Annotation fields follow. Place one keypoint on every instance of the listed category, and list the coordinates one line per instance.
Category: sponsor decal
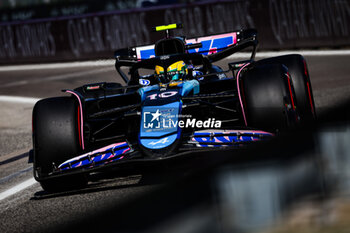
(164, 57)
(213, 44)
(144, 82)
(160, 125)
(161, 141)
(158, 143)
(210, 45)
(89, 88)
(159, 120)
(165, 119)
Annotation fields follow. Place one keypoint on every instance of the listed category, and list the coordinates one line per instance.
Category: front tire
(56, 138)
(267, 98)
(297, 69)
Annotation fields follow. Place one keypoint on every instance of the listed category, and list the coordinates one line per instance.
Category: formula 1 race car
(175, 101)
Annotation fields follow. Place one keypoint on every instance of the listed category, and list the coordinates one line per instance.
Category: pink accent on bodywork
(81, 118)
(96, 151)
(126, 150)
(239, 94)
(290, 90)
(247, 131)
(310, 98)
(107, 147)
(308, 88)
(212, 38)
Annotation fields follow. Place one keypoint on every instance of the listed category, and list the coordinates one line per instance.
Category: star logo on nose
(156, 115)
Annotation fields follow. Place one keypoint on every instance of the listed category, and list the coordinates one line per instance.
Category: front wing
(121, 152)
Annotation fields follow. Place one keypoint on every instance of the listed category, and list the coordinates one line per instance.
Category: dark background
(93, 30)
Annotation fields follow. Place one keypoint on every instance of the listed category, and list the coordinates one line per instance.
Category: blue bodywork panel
(160, 113)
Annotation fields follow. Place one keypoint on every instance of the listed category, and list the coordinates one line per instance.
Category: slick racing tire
(56, 139)
(297, 69)
(267, 97)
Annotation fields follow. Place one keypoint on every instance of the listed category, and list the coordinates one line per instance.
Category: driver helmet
(175, 72)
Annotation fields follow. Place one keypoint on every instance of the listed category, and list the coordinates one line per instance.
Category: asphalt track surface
(24, 207)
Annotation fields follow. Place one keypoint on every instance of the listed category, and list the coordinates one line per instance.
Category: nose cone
(159, 125)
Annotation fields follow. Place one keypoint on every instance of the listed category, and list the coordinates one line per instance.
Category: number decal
(162, 95)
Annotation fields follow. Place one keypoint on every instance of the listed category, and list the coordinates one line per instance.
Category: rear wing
(209, 45)
(214, 47)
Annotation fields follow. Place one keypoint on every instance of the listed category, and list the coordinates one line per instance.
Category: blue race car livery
(175, 101)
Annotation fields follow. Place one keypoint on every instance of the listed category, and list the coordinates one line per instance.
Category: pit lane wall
(281, 24)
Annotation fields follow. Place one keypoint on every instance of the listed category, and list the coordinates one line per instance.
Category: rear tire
(299, 75)
(56, 139)
(267, 98)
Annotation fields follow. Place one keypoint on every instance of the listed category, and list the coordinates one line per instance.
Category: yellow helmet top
(178, 69)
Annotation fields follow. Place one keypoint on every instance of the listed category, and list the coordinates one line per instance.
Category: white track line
(17, 99)
(62, 65)
(26, 184)
(109, 62)
(17, 188)
(58, 77)
(9, 177)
